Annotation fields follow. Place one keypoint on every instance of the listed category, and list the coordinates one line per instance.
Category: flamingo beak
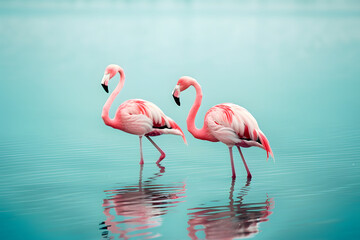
(104, 82)
(177, 100)
(105, 88)
(176, 94)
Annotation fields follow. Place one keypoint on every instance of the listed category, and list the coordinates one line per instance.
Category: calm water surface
(293, 65)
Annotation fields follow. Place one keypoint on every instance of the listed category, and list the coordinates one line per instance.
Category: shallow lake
(293, 65)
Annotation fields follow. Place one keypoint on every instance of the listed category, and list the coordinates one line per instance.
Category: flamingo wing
(234, 125)
(149, 118)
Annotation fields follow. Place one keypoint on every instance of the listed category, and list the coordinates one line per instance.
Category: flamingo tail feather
(175, 126)
(266, 145)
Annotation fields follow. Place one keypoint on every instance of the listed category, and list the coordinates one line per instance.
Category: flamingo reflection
(134, 211)
(234, 220)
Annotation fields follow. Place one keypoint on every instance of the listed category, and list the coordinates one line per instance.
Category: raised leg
(232, 163)
(247, 169)
(141, 153)
(163, 155)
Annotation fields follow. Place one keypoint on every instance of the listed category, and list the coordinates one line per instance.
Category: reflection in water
(134, 211)
(235, 220)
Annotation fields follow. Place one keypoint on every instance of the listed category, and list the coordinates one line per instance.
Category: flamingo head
(109, 73)
(182, 85)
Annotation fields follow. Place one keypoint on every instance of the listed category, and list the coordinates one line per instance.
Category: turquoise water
(292, 64)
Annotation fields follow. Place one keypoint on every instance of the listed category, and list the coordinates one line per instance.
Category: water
(293, 65)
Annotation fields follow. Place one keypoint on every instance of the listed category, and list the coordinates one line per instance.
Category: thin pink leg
(232, 163)
(247, 169)
(141, 153)
(140, 177)
(163, 155)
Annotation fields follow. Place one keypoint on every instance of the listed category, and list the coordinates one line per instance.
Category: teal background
(293, 64)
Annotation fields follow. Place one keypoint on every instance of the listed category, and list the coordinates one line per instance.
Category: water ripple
(136, 210)
(237, 219)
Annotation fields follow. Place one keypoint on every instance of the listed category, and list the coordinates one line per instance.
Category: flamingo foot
(162, 169)
(163, 155)
(141, 161)
(234, 176)
(249, 176)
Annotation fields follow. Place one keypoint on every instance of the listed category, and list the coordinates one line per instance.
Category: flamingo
(137, 116)
(228, 123)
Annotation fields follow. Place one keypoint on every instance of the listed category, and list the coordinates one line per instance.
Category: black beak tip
(105, 88)
(177, 100)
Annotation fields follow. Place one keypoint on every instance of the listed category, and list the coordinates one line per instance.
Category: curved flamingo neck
(190, 121)
(105, 113)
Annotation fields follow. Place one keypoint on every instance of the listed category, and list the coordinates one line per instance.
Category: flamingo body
(137, 116)
(234, 125)
(143, 118)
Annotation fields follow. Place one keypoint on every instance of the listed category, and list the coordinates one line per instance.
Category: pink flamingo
(137, 116)
(227, 123)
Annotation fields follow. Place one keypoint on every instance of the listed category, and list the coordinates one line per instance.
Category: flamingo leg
(140, 177)
(232, 163)
(247, 169)
(163, 155)
(141, 153)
